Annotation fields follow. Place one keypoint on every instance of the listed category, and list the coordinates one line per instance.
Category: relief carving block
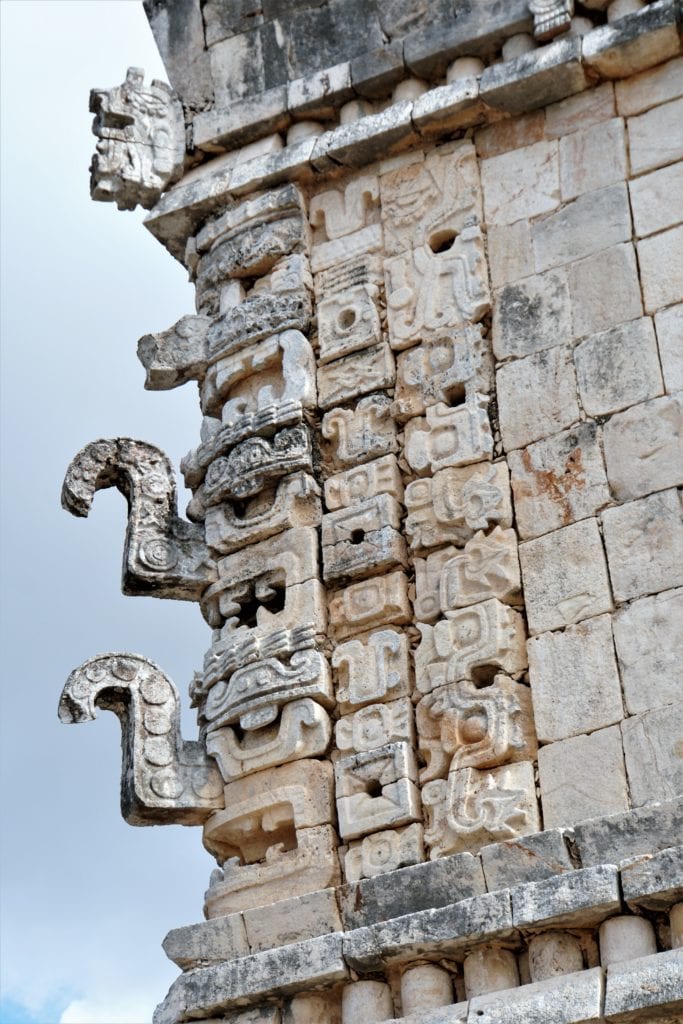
(375, 725)
(375, 667)
(381, 476)
(385, 851)
(241, 649)
(452, 505)
(164, 556)
(360, 434)
(470, 644)
(551, 17)
(164, 778)
(379, 601)
(343, 211)
(348, 321)
(177, 355)
(449, 437)
(141, 141)
(462, 725)
(346, 378)
(363, 539)
(376, 789)
(471, 808)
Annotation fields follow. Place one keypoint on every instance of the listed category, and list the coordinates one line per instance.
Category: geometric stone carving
(428, 574)
(472, 808)
(385, 851)
(141, 147)
(177, 355)
(164, 556)
(164, 778)
(362, 433)
(345, 211)
(551, 17)
(363, 539)
(470, 644)
(374, 725)
(356, 374)
(375, 667)
(239, 650)
(461, 725)
(441, 372)
(253, 465)
(381, 476)
(452, 505)
(348, 321)
(376, 789)
(378, 601)
(449, 437)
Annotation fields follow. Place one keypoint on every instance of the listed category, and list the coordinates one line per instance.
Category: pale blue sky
(86, 900)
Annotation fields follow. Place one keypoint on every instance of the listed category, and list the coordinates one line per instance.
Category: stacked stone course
(435, 525)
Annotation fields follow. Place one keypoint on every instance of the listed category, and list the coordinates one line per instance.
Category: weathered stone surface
(525, 859)
(447, 437)
(565, 577)
(376, 789)
(582, 111)
(657, 199)
(577, 899)
(489, 969)
(531, 315)
(574, 680)
(645, 989)
(591, 223)
(288, 921)
(442, 372)
(558, 480)
(360, 434)
(583, 777)
(177, 355)
(363, 540)
(652, 750)
(554, 953)
(535, 78)
(669, 327)
(596, 308)
(661, 267)
(379, 601)
(374, 725)
(593, 157)
(650, 88)
(536, 396)
(382, 476)
(649, 646)
(383, 852)
(656, 137)
(374, 667)
(521, 183)
(644, 448)
(419, 887)
(510, 133)
(644, 540)
(634, 42)
(637, 833)
(573, 999)
(656, 882)
(313, 1008)
(354, 375)
(197, 945)
(618, 368)
(510, 254)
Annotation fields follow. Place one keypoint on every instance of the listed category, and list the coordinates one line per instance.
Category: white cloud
(110, 1008)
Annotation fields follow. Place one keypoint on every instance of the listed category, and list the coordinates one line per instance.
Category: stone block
(448, 107)
(322, 36)
(578, 899)
(633, 43)
(565, 577)
(376, 72)
(650, 88)
(442, 372)
(648, 989)
(596, 308)
(511, 133)
(661, 267)
(571, 999)
(521, 183)
(317, 95)
(242, 121)
(208, 942)
(536, 396)
(593, 222)
(247, 64)
(358, 143)
(357, 435)
(380, 601)
(637, 833)
(382, 476)
(362, 540)
(531, 315)
(510, 255)
(657, 200)
(295, 920)
(376, 789)
(574, 680)
(644, 448)
(652, 750)
(592, 158)
(420, 887)
(525, 859)
(655, 138)
(625, 937)
(584, 110)
(448, 930)
(583, 777)
(384, 852)
(656, 882)
(374, 725)
(644, 541)
(649, 644)
(313, 1008)
(535, 78)
(558, 481)
(446, 437)
(618, 368)
(374, 667)
(669, 328)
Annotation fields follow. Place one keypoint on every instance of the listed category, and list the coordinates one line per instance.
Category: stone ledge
(635, 833)
(655, 882)
(578, 899)
(636, 988)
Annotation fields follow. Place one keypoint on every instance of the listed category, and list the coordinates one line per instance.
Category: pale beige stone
(446, 437)
(425, 987)
(676, 921)
(427, 600)
(652, 750)
(649, 642)
(287, 921)
(583, 777)
(626, 938)
(650, 88)
(383, 852)
(489, 970)
(360, 434)
(362, 540)
(382, 600)
(554, 954)
(657, 199)
(644, 448)
(536, 396)
(521, 183)
(558, 480)
(511, 133)
(348, 320)
(443, 371)
(344, 211)
(644, 542)
(344, 379)
(531, 315)
(592, 222)
(595, 307)
(367, 1001)
(669, 327)
(584, 110)
(618, 368)
(574, 680)
(377, 789)
(375, 725)
(381, 476)
(655, 138)
(374, 667)
(565, 577)
(661, 267)
(592, 158)
(327, 254)
(510, 253)
(313, 1008)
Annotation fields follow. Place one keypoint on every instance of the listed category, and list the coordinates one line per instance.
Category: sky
(85, 899)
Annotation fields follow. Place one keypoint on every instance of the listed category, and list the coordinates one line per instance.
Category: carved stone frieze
(449, 437)
(343, 211)
(253, 465)
(452, 505)
(363, 539)
(374, 725)
(379, 601)
(239, 650)
(381, 476)
(164, 778)
(349, 321)
(177, 355)
(357, 374)
(164, 556)
(551, 17)
(371, 668)
(377, 789)
(360, 434)
(384, 851)
(141, 141)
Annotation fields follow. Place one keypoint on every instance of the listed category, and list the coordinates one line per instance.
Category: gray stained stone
(654, 882)
(653, 745)
(644, 542)
(531, 315)
(636, 833)
(618, 367)
(583, 777)
(197, 945)
(644, 448)
(536, 78)
(525, 859)
(648, 989)
(594, 221)
(570, 999)
(649, 643)
(578, 899)
(635, 42)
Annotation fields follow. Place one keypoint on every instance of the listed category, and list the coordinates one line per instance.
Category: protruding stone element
(345, 211)
(461, 725)
(384, 852)
(313, 1008)
(356, 485)
(177, 355)
(452, 505)
(373, 726)
(141, 141)
(442, 372)
(368, 1001)
(472, 808)
(676, 923)
(449, 437)
(164, 556)
(425, 987)
(551, 17)
(361, 434)
(363, 540)
(377, 789)
(470, 644)
(553, 954)
(349, 321)
(626, 938)
(357, 374)
(379, 601)
(490, 969)
(375, 667)
(164, 778)
(487, 567)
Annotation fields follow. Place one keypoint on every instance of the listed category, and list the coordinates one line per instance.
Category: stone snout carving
(141, 141)
(164, 556)
(164, 778)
